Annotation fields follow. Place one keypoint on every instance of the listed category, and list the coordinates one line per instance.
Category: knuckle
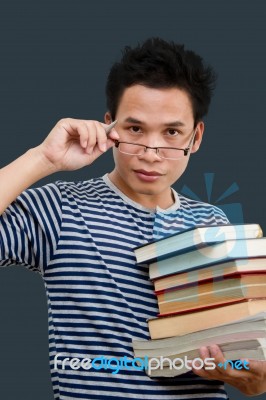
(83, 127)
(63, 122)
(89, 124)
(66, 119)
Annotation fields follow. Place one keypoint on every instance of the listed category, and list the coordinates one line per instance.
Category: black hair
(160, 64)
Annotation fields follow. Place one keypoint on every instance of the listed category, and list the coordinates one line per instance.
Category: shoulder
(80, 187)
(55, 193)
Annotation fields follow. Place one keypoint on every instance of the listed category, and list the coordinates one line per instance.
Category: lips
(147, 176)
(148, 173)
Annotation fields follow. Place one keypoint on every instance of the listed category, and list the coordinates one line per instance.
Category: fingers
(224, 369)
(91, 134)
(248, 376)
(197, 369)
(110, 133)
(257, 367)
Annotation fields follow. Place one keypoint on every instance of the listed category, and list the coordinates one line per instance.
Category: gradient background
(54, 59)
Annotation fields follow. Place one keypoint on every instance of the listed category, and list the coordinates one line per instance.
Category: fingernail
(103, 147)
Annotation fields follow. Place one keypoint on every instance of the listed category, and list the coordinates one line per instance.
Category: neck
(148, 200)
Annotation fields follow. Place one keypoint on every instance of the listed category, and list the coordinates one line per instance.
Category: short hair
(160, 64)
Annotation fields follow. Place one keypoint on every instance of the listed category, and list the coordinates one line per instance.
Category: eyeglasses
(167, 153)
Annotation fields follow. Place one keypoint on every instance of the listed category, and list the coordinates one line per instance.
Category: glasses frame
(186, 150)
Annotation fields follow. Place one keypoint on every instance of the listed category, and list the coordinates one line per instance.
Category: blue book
(209, 255)
(194, 238)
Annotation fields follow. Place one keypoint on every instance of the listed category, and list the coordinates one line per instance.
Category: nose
(150, 154)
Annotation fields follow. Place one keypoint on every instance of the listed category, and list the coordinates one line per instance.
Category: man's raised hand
(74, 143)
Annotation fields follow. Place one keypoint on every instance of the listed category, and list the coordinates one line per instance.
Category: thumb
(111, 131)
(109, 127)
(113, 135)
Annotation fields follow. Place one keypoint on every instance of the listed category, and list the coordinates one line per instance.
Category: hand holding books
(228, 268)
(251, 382)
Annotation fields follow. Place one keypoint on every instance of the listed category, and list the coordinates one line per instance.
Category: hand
(250, 382)
(73, 143)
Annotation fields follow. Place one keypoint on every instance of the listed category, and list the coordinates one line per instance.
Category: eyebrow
(132, 120)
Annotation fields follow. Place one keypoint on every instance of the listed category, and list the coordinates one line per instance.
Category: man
(80, 235)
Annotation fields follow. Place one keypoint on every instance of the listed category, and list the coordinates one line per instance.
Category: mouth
(148, 173)
(147, 176)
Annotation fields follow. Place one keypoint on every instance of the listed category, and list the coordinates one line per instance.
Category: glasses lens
(171, 154)
(131, 148)
(138, 150)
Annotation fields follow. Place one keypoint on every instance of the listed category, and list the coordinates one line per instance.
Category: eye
(135, 129)
(172, 132)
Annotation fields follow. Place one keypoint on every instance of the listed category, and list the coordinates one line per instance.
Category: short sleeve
(30, 228)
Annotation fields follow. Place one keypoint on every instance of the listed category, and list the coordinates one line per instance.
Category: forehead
(141, 102)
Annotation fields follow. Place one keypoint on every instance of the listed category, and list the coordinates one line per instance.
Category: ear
(198, 137)
(107, 118)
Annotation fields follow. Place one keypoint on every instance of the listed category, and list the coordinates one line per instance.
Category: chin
(147, 190)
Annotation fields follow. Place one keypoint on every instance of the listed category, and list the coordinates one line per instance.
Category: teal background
(54, 59)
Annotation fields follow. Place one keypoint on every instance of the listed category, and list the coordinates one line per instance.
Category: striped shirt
(79, 236)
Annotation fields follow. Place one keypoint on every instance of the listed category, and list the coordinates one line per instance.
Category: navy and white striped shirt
(79, 236)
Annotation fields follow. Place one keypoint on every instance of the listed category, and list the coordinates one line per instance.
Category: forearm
(21, 174)
(71, 144)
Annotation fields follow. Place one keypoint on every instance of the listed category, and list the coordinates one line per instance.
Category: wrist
(43, 165)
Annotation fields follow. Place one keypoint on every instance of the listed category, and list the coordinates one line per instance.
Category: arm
(72, 144)
(22, 173)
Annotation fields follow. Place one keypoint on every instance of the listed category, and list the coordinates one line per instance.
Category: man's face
(155, 118)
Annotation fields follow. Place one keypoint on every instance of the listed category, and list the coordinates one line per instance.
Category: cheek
(177, 169)
(116, 156)
(121, 160)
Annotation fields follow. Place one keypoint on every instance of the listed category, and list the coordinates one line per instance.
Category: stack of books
(206, 278)
(246, 337)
